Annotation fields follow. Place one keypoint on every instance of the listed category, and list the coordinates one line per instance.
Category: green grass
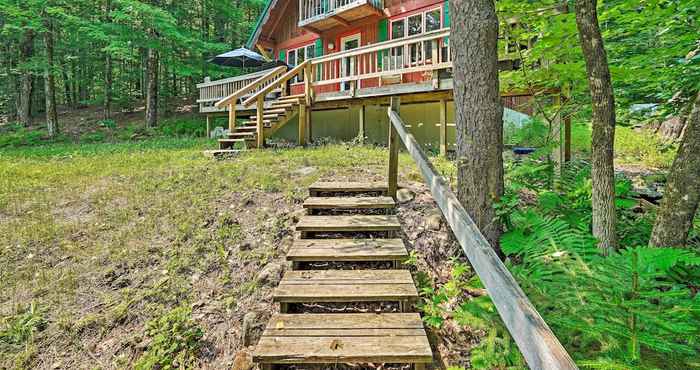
(632, 147)
(105, 238)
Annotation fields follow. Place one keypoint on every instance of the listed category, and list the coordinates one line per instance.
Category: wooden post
(443, 128)
(308, 89)
(232, 117)
(362, 124)
(303, 119)
(208, 126)
(567, 139)
(393, 176)
(261, 124)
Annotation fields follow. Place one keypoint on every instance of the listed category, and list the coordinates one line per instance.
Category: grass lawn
(632, 147)
(98, 240)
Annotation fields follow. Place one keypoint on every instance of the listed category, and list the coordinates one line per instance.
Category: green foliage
(633, 309)
(17, 330)
(190, 127)
(532, 134)
(175, 341)
(19, 136)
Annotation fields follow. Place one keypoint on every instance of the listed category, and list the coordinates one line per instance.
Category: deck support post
(443, 128)
(393, 176)
(261, 124)
(361, 133)
(232, 117)
(303, 122)
(208, 126)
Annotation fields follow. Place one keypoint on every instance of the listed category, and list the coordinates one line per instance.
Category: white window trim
(305, 48)
(424, 27)
(423, 21)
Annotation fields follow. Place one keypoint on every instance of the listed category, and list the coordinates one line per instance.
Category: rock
(243, 361)
(305, 171)
(249, 328)
(245, 246)
(271, 274)
(672, 128)
(404, 195)
(434, 221)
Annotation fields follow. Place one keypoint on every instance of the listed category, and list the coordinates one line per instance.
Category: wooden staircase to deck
(360, 272)
(280, 112)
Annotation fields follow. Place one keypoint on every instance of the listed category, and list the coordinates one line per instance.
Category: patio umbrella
(242, 58)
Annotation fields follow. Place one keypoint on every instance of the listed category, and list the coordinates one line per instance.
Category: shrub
(175, 341)
(19, 329)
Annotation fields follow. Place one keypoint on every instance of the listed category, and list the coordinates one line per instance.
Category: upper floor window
(398, 29)
(416, 24)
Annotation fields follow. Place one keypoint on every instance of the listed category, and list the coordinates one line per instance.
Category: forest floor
(109, 249)
(119, 244)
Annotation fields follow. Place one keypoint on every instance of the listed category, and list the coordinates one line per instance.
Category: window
(298, 56)
(415, 24)
(398, 29)
(432, 20)
(292, 58)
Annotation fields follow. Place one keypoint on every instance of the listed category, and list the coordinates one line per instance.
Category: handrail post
(393, 176)
(232, 117)
(308, 89)
(261, 123)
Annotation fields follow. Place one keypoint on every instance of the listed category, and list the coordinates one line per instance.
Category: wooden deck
(343, 337)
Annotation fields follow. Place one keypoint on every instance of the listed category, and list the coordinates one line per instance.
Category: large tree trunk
(682, 195)
(152, 88)
(24, 107)
(108, 69)
(602, 151)
(49, 82)
(479, 113)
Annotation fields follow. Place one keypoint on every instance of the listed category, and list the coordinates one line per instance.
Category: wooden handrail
(278, 82)
(445, 32)
(536, 341)
(231, 79)
(252, 86)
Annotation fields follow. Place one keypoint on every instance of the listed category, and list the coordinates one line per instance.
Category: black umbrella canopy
(242, 58)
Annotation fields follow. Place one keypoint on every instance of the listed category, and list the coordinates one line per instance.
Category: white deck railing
(314, 10)
(428, 52)
(211, 92)
(419, 53)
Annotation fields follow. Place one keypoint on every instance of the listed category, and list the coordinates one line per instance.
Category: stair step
(284, 103)
(277, 110)
(322, 250)
(358, 223)
(345, 286)
(265, 116)
(344, 338)
(348, 187)
(349, 203)
(246, 128)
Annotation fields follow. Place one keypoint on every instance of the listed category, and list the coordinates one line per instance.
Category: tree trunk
(152, 88)
(108, 70)
(600, 84)
(682, 195)
(24, 107)
(49, 82)
(479, 113)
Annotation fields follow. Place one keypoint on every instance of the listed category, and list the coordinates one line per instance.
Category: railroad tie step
(347, 187)
(349, 203)
(344, 338)
(347, 250)
(344, 286)
(354, 223)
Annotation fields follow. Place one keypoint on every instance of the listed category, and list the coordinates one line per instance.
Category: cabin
(342, 62)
